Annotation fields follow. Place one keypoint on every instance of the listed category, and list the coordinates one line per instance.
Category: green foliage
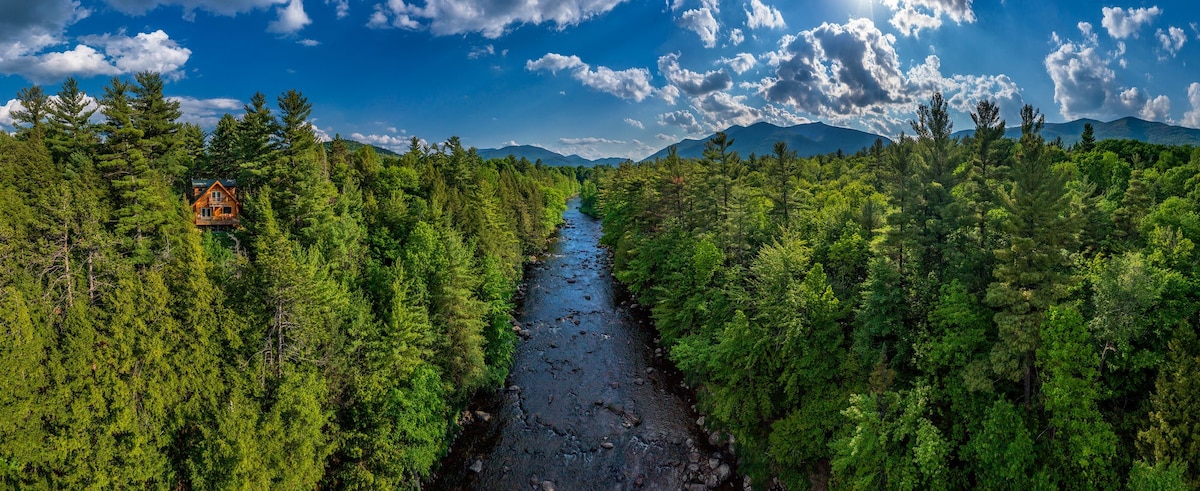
(952, 267)
(327, 342)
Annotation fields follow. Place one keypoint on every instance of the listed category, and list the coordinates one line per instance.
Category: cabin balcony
(216, 221)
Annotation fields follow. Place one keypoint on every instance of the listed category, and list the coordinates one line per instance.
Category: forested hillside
(326, 343)
(980, 313)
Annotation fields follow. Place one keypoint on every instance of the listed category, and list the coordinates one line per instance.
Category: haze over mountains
(819, 139)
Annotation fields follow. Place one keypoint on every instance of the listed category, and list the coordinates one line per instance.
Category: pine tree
(939, 215)
(1087, 140)
(141, 196)
(255, 146)
(157, 117)
(781, 171)
(35, 106)
(222, 159)
(1032, 274)
(69, 128)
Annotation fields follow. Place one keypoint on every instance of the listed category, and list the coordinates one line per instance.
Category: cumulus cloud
(667, 138)
(631, 83)
(692, 83)
(291, 20)
(703, 23)
(850, 74)
(722, 110)
(963, 92)
(740, 63)
(220, 7)
(842, 69)
(590, 140)
(491, 18)
(6, 111)
(482, 51)
(1123, 23)
(1191, 118)
(911, 16)
(342, 6)
(1086, 85)
(762, 15)
(206, 112)
(1171, 40)
(153, 51)
(683, 119)
(736, 37)
(635, 123)
(393, 143)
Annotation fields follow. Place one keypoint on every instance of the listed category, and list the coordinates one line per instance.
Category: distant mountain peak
(807, 139)
(1126, 128)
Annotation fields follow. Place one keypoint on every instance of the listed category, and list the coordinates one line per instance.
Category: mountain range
(553, 159)
(1128, 128)
(806, 139)
(819, 139)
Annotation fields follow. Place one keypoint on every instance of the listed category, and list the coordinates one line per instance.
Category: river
(590, 404)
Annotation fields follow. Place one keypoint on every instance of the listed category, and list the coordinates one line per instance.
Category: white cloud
(206, 112)
(1085, 84)
(292, 18)
(702, 22)
(684, 119)
(692, 83)
(722, 110)
(635, 123)
(393, 143)
(154, 51)
(740, 63)
(1191, 119)
(838, 69)
(308, 42)
(631, 83)
(667, 138)
(480, 52)
(220, 7)
(590, 140)
(6, 118)
(911, 16)
(343, 7)
(736, 37)
(491, 18)
(669, 94)
(1123, 23)
(1172, 40)
(762, 15)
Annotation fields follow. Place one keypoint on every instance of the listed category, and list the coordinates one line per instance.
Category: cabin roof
(208, 184)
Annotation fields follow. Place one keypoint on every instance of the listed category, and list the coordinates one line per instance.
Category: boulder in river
(606, 444)
(547, 486)
(477, 466)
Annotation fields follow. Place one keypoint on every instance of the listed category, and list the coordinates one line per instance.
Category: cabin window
(206, 212)
(216, 196)
(227, 211)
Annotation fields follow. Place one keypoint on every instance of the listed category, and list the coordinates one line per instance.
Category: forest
(328, 342)
(929, 313)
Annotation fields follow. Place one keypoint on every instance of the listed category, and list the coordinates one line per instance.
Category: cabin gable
(215, 203)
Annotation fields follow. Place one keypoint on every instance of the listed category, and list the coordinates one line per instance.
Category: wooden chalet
(215, 203)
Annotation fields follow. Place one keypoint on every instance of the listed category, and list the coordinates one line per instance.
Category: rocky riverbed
(591, 403)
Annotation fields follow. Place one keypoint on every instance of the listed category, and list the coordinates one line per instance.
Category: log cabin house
(215, 203)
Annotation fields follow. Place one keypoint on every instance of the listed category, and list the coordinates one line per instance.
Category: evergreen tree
(35, 106)
(1087, 140)
(223, 157)
(1032, 274)
(69, 127)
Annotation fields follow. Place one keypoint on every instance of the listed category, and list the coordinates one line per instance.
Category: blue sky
(616, 77)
